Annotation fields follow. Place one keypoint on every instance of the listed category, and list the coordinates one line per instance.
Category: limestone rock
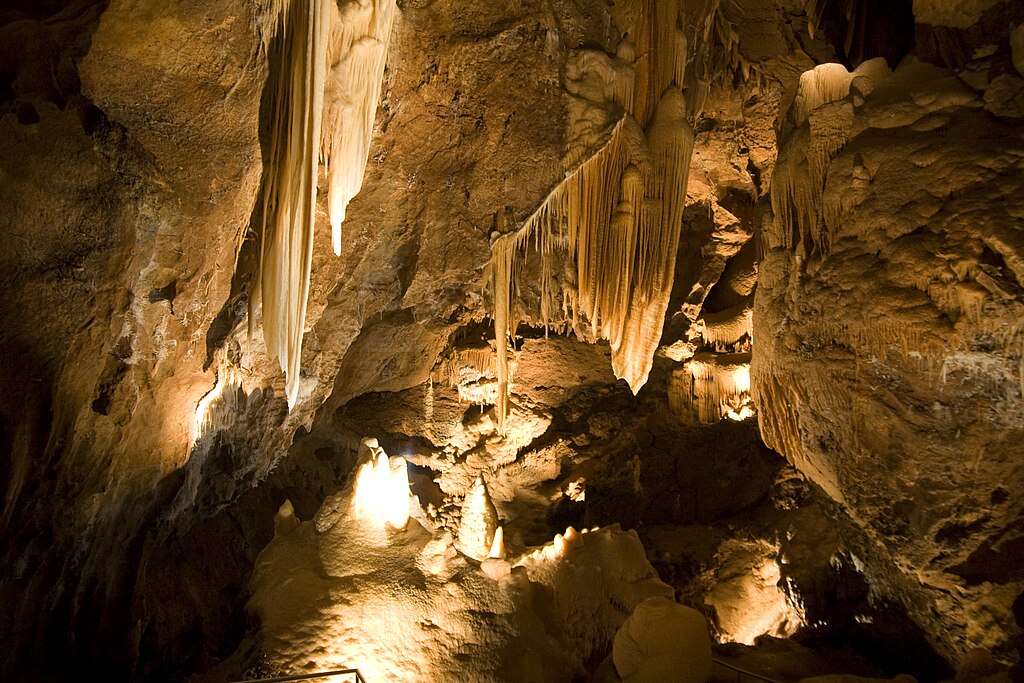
(907, 405)
(663, 641)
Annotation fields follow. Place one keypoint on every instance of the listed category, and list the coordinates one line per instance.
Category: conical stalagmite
(479, 522)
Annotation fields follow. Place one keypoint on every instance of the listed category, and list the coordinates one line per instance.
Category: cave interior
(534, 340)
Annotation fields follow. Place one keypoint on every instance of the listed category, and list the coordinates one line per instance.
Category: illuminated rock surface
(339, 592)
(803, 216)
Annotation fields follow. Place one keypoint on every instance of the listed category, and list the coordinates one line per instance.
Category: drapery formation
(618, 213)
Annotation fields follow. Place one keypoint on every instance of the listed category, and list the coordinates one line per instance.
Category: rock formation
(807, 211)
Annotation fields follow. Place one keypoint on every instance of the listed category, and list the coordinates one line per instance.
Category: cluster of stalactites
(822, 104)
(712, 386)
(220, 406)
(619, 212)
(728, 329)
(331, 67)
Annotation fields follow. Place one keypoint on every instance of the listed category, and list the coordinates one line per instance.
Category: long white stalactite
(324, 101)
(289, 194)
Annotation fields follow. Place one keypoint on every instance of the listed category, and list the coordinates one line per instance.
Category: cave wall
(888, 363)
(131, 182)
(131, 172)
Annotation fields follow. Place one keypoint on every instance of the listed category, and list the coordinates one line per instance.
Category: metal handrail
(360, 679)
(742, 672)
(306, 677)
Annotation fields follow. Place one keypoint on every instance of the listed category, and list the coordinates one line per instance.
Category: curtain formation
(619, 212)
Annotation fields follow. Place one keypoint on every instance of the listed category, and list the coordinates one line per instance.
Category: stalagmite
(479, 524)
(663, 641)
(619, 212)
(330, 66)
(497, 551)
(381, 489)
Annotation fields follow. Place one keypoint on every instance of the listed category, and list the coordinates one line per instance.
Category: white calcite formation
(220, 406)
(333, 593)
(323, 108)
(381, 489)
(823, 112)
(479, 522)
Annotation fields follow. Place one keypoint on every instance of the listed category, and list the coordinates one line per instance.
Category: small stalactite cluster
(470, 370)
(822, 113)
(618, 214)
(324, 101)
(713, 386)
(729, 328)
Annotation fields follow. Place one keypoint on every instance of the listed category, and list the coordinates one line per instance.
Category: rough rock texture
(334, 592)
(118, 251)
(145, 439)
(133, 276)
(889, 343)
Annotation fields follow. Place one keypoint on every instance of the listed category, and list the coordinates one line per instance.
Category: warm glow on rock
(220, 401)
(742, 414)
(714, 386)
(382, 491)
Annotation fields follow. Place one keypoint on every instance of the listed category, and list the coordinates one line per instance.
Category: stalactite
(619, 212)
(830, 127)
(289, 194)
(330, 67)
(219, 408)
(671, 146)
(461, 362)
(502, 263)
(358, 53)
(712, 385)
(728, 327)
(824, 117)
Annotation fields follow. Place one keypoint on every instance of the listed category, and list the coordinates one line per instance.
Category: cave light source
(382, 491)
